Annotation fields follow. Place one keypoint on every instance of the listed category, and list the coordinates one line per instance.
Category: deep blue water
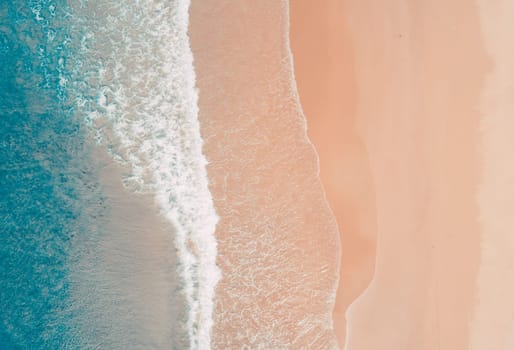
(46, 179)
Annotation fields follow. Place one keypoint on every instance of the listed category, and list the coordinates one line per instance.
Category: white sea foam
(136, 89)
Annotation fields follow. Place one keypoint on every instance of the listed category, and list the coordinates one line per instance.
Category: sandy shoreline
(408, 106)
(493, 322)
(413, 80)
(326, 79)
(277, 239)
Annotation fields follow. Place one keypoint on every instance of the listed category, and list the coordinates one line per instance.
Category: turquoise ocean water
(77, 79)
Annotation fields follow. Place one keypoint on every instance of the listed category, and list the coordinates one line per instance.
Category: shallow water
(108, 225)
(277, 239)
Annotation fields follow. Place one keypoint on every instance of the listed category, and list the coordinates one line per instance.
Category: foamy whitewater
(107, 96)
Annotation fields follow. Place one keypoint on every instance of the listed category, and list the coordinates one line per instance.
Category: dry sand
(412, 73)
(493, 322)
(277, 239)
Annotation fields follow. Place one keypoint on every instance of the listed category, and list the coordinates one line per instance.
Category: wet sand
(412, 76)
(326, 79)
(277, 240)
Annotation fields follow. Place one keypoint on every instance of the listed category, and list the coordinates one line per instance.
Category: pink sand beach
(363, 182)
(278, 246)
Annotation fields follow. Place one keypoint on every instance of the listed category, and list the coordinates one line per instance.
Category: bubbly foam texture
(135, 85)
(277, 238)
